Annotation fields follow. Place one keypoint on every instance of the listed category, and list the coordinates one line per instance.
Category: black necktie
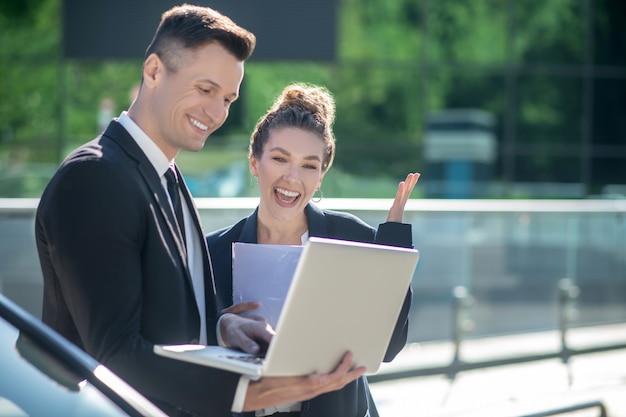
(174, 191)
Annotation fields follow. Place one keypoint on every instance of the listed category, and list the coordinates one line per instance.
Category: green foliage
(380, 31)
(389, 47)
(28, 70)
(553, 31)
(397, 61)
(88, 84)
(264, 82)
(210, 158)
(467, 32)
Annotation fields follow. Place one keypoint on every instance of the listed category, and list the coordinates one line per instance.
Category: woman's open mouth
(286, 196)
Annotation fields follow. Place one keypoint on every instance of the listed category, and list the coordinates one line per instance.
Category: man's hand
(252, 335)
(272, 391)
(396, 212)
(244, 308)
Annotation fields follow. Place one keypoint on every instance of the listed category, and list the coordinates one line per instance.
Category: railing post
(461, 323)
(568, 293)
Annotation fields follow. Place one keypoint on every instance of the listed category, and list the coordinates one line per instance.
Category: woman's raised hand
(396, 212)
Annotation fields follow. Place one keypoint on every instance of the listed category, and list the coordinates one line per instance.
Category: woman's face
(289, 171)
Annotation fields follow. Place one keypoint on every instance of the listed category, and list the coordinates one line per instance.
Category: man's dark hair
(188, 27)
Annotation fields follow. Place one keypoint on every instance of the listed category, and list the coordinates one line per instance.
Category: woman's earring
(254, 182)
(319, 198)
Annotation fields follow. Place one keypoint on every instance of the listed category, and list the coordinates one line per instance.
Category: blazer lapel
(146, 170)
(165, 207)
(316, 220)
(249, 229)
(163, 203)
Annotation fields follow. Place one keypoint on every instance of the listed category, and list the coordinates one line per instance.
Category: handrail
(460, 366)
(463, 298)
(463, 301)
(18, 205)
(570, 408)
(383, 204)
(440, 205)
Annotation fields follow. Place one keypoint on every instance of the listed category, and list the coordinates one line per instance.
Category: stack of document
(264, 273)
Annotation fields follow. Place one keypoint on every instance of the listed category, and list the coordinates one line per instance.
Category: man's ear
(152, 67)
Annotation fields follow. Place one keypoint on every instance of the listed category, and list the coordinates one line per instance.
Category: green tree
(522, 60)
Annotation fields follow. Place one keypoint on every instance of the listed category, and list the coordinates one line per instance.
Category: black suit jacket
(354, 400)
(115, 274)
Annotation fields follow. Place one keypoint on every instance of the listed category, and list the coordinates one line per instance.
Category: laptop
(344, 296)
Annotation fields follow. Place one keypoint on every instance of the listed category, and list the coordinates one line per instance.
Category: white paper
(263, 273)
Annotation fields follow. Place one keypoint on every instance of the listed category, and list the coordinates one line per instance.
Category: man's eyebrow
(233, 96)
(210, 81)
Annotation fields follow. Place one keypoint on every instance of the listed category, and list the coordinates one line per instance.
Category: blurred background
(488, 98)
(514, 111)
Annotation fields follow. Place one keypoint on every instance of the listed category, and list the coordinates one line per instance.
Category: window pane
(608, 172)
(378, 119)
(549, 31)
(462, 133)
(549, 110)
(467, 31)
(609, 35)
(544, 166)
(609, 123)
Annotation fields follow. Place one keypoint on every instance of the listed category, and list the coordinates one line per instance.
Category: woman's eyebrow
(284, 151)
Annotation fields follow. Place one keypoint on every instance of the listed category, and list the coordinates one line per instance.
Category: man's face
(191, 103)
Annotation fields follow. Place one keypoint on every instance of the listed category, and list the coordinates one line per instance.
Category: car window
(32, 384)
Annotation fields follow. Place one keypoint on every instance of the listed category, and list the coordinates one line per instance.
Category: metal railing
(476, 256)
(462, 302)
(571, 408)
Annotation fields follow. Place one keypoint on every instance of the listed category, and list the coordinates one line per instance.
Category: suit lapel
(153, 182)
(150, 177)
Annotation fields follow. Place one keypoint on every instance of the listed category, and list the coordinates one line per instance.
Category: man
(121, 273)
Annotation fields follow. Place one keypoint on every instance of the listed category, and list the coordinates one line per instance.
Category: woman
(291, 149)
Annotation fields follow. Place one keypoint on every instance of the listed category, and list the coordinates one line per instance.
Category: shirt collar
(154, 154)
